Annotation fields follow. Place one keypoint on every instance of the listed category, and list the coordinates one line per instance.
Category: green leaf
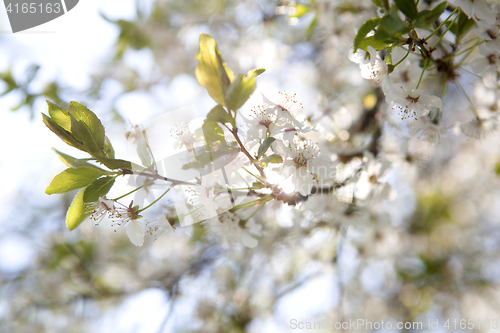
(211, 72)
(408, 7)
(61, 117)
(219, 115)
(76, 162)
(115, 164)
(241, 88)
(265, 146)
(390, 27)
(71, 179)
(371, 41)
(257, 185)
(388, 56)
(99, 187)
(108, 148)
(87, 128)
(257, 71)
(275, 158)
(64, 135)
(76, 211)
(214, 135)
(364, 30)
(462, 25)
(427, 17)
(437, 11)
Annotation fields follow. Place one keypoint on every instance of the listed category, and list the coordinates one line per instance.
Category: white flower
(137, 136)
(489, 62)
(486, 95)
(183, 136)
(371, 65)
(202, 197)
(479, 129)
(476, 9)
(100, 209)
(304, 167)
(228, 228)
(135, 232)
(489, 32)
(158, 227)
(129, 217)
(262, 121)
(368, 183)
(411, 103)
(429, 131)
(124, 215)
(285, 109)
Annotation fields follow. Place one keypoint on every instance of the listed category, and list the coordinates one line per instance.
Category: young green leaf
(219, 115)
(390, 27)
(257, 185)
(99, 187)
(71, 179)
(437, 11)
(275, 158)
(427, 17)
(408, 7)
(76, 211)
(211, 72)
(87, 128)
(75, 162)
(214, 135)
(60, 116)
(64, 135)
(265, 146)
(115, 164)
(364, 30)
(241, 88)
(462, 25)
(371, 41)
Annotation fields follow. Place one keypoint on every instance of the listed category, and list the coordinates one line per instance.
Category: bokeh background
(431, 253)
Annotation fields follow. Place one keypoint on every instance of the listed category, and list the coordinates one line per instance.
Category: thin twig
(155, 176)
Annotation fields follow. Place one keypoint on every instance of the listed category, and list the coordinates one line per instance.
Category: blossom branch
(234, 132)
(155, 176)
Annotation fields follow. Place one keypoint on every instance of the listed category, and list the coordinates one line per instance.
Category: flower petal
(431, 100)
(135, 232)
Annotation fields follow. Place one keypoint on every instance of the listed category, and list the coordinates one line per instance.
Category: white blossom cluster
(273, 151)
(128, 217)
(419, 95)
(232, 189)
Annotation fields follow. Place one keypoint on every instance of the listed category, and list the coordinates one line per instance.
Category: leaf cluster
(80, 128)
